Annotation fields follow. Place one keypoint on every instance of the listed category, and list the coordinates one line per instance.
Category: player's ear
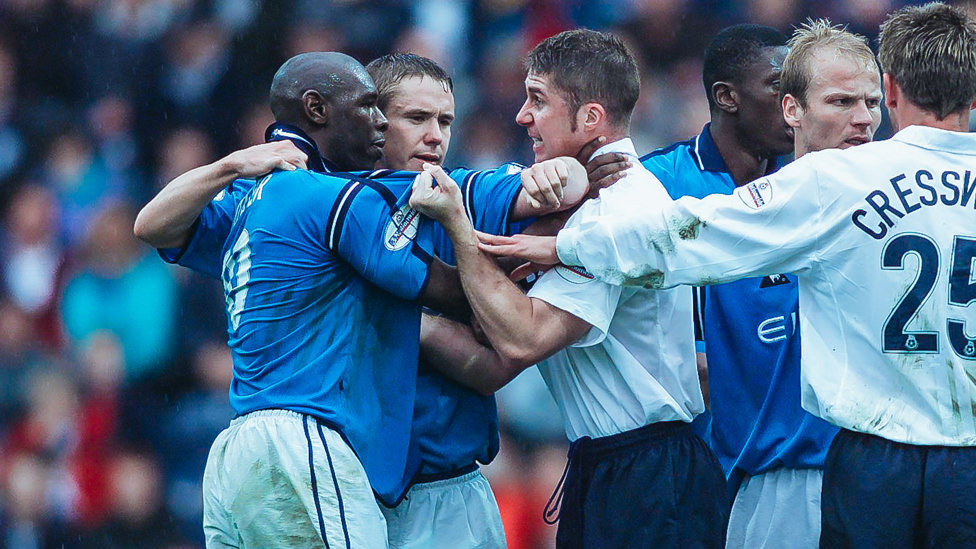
(726, 96)
(316, 108)
(591, 115)
(891, 91)
(792, 110)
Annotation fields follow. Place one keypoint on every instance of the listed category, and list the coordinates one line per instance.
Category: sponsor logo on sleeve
(576, 275)
(401, 230)
(757, 194)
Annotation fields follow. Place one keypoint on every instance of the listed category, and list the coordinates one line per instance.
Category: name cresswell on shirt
(401, 230)
(757, 194)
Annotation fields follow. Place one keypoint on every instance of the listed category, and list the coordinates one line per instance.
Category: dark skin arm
(444, 292)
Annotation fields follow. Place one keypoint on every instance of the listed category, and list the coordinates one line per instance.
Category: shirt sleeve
(489, 196)
(209, 232)
(769, 225)
(381, 237)
(579, 294)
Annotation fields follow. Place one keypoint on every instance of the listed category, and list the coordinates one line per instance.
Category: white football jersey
(883, 240)
(636, 365)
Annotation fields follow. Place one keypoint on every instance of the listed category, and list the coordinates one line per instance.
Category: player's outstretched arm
(165, 222)
(719, 238)
(522, 330)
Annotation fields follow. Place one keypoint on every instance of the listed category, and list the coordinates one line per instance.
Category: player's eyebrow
(418, 110)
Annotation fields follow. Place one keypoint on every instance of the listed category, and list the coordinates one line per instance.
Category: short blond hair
(818, 36)
(930, 51)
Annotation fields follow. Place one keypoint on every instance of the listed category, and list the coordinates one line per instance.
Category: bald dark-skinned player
(324, 278)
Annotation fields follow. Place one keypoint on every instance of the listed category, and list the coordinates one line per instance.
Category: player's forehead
(357, 85)
(839, 72)
(766, 66)
(539, 83)
(421, 93)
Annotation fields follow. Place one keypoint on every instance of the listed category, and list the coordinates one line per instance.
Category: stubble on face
(546, 118)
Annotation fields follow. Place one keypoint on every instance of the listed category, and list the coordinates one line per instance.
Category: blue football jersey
(320, 276)
(455, 426)
(752, 340)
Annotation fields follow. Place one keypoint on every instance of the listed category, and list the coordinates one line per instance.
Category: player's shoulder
(668, 157)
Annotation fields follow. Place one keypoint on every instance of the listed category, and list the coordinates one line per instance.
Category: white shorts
(276, 478)
(458, 513)
(779, 509)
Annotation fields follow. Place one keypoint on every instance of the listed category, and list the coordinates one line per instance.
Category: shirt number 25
(962, 292)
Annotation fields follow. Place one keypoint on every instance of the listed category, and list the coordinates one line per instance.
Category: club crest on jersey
(576, 275)
(757, 194)
(401, 230)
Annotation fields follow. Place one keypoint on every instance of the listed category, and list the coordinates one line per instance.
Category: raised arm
(166, 221)
(550, 186)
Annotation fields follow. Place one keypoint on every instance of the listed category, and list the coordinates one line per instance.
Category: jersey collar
(279, 131)
(707, 158)
(706, 154)
(937, 139)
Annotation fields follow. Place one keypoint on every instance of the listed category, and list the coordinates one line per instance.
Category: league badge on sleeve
(576, 275)
(757, 194)
(401, 230)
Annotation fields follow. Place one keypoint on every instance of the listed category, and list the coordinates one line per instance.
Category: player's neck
(612, 134)
(743, 164)
(910, 115)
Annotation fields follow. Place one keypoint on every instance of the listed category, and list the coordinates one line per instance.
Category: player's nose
(861, 115)
(379, 121)
(434, 134)
(524, 118)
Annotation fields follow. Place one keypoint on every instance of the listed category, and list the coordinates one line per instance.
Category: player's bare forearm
(165, 222)
(551, 186)
(522, 330)
(452, 349)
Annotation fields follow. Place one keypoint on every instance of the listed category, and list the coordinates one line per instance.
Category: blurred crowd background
(113, 366)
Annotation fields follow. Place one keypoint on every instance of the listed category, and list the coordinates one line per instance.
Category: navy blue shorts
(657, 486)
(880, 493)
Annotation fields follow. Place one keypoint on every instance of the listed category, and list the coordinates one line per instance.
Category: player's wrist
(229, 167)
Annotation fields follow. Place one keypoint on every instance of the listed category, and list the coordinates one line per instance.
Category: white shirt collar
(625, 146)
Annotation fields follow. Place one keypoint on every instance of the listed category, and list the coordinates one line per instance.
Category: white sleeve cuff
(566, 240)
